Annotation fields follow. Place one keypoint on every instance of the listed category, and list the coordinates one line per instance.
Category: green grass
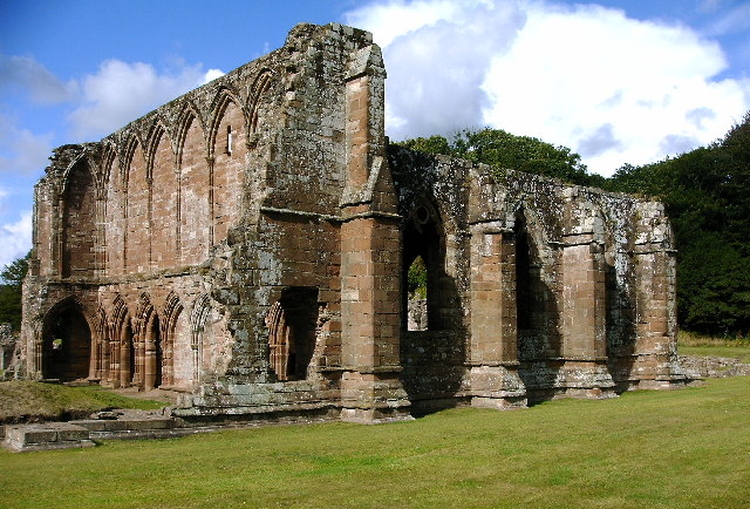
(704, 346)
(23, 401)
(683, 449)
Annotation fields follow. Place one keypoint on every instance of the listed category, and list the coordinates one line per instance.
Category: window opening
(229, 140)
(417, 295)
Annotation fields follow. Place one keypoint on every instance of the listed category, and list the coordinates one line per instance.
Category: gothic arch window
(163, 200)
(424, 268)
(194, 201)
(79, 231)
(229, 149)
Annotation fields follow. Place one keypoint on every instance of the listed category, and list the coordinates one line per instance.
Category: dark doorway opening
(66, 349)
(292, 323)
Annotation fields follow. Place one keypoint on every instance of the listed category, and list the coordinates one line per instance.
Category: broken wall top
(468, 193)
(292, 101)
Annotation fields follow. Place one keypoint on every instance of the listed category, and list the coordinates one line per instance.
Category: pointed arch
(228, 146)
(148, 345)
(187, 143)
(101, 349)
(194, 198)
(536, 302)
(424, 237)
(163, 199)
(199, 324)
(173, 334)
(115, 211)
(222, 100)
(79, 221)
(122, 350)
(66, 342)
(260, 86)
(138, 233)
(279, 341)
(155, 142)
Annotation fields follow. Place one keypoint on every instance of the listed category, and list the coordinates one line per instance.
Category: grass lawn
(24, 400)
(682, 449)
(703, 346)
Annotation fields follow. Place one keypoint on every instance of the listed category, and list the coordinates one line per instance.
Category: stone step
(46, 436)
(74, 434)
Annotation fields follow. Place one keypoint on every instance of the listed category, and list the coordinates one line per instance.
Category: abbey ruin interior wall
(248, 243)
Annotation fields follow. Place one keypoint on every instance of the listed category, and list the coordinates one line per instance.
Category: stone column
(95, 359)
(371, 388)
(583, 318)
(370, 320)
(583, 310)
(150, 358)
(655, 356)
(493, 356)
(125, 376)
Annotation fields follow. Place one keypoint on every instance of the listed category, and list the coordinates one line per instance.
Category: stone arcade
(247, 244)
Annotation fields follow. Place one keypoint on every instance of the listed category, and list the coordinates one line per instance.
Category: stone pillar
(583, 299)
(150, 359)
(655, 356)
(125, 376)
(371, 388)
(95, 359)
(371, 320)
(583, 310)
(493, 356)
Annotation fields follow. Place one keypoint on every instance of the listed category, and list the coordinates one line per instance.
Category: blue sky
(619, 82)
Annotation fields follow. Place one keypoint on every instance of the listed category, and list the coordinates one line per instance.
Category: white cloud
(616, 89)
(15, 239)
(121, 92)
(21, 151)
(212, 74)
(26, 75)
(437, 55)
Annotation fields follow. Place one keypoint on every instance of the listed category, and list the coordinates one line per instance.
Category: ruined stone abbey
(247, 244)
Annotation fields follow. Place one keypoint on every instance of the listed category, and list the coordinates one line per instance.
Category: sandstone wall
(248, 242)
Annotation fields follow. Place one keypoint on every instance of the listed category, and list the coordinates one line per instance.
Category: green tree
(505, 151)
(10, 290)
(707, 196)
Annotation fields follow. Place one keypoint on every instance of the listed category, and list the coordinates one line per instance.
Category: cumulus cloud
(15, 238)
(26, 75)
(21, 151)
(424, 96)
(120, 92)
(615, 89)
(212, 74)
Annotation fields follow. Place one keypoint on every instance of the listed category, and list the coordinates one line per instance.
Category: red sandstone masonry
(248, 244)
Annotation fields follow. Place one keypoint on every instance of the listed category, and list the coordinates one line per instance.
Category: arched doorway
(66, 348)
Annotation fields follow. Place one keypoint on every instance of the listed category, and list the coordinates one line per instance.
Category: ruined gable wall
(171, 185)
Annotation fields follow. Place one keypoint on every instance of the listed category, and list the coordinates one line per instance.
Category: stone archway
(66, 344)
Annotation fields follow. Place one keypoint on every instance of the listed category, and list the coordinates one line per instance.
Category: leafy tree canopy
(707, 195)
(706, 192)
(10, 291)
(504, 151)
